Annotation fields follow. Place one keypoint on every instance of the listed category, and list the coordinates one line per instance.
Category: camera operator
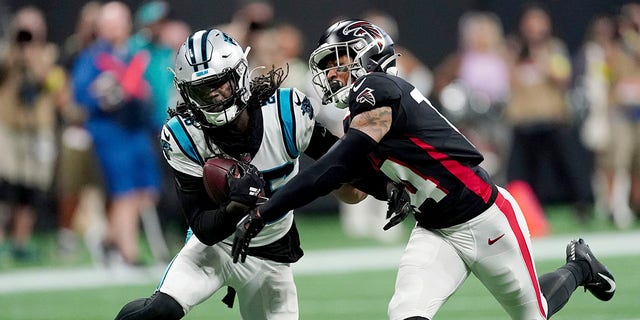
(32, 87)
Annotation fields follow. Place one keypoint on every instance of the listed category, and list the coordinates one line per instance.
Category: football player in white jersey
(225, 114)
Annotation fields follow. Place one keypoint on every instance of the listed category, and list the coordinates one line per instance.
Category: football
(214, 175)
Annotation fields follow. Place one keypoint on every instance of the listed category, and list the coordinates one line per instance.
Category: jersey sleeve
(297, 119)
(373, 91)
(179, 149)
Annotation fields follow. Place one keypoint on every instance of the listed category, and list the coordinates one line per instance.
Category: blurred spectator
(84, 33)
(467, 96)
(78, 178)
(32, 88)
(109, 82)
(252, 25)
(592, 81)
(151, 19)
(173, 34)
(545, 151)
(409, 66)
(288, 50)
(592, 78)
(625, 101)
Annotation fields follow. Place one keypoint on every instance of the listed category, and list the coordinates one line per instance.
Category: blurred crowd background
(548, 91)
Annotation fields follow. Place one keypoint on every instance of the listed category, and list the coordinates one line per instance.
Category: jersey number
(420, 188)
(277, 177)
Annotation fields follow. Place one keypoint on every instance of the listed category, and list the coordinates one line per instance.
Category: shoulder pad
(372, 91)
(179, 147)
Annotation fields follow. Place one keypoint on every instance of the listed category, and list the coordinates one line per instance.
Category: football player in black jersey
(465, 223)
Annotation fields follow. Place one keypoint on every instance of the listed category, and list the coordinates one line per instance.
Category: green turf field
(348, 296)
(353, 295)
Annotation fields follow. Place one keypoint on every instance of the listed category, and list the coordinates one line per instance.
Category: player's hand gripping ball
(214, 174)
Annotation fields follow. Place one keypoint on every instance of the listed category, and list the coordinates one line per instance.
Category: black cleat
(600, 282)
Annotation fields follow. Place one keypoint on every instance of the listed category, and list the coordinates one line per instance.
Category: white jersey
(288, 119)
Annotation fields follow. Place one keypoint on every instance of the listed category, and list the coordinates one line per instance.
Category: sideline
(314, 262)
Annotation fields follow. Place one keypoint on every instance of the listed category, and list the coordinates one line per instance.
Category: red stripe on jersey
(507, 210)
(463, 173)
(418, 173)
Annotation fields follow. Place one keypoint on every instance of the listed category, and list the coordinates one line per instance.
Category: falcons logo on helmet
(364, 28)
(366, 96)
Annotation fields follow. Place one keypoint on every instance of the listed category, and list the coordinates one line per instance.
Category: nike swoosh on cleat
(612, 283)
(492, 241)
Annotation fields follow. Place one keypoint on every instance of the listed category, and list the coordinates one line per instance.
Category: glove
(237, 209)
(399, 205)
(245, 184)
(246, 230)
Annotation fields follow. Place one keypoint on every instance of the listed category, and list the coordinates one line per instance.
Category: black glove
(245, 184)
(237, 209)
(399, 204)
(246, 230)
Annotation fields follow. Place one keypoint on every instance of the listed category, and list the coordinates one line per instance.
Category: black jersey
(424, 151)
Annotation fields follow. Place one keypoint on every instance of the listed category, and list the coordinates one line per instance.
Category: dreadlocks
(263, 86)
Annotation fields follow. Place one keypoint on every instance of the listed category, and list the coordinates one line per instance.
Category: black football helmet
(369, 47)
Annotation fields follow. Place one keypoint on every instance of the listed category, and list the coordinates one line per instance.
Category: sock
(580, 270)
(557, 286)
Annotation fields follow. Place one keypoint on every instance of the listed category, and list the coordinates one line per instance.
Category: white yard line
(313, 262)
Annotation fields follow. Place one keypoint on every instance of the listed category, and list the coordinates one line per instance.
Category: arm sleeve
(326, 174)
(373, 183)
(321, 142)
(210, 222)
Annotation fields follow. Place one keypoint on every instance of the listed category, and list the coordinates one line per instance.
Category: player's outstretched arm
(336, 167)
(328, 173)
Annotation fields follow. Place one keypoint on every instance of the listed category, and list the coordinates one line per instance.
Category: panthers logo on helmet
(364, 28)
(366, 96)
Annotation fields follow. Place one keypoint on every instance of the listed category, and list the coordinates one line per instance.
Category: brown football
(214, 176)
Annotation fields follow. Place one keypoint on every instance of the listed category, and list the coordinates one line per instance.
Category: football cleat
(600, 282)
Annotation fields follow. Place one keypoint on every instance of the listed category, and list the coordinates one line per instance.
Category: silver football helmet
(369, 48)
(207, 61)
